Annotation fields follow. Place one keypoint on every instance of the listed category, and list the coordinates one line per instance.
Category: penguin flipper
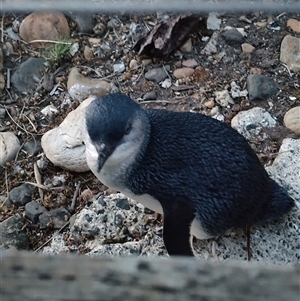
(176, 232)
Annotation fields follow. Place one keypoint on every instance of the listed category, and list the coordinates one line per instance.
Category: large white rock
(249, 123)
(286, 167)
(9, 146)
(63, 144)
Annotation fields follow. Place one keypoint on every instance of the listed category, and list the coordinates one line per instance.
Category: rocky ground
(241, 69)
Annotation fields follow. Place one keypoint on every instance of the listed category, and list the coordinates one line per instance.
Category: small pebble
(21, 195)
(119, 68)
(187, 46)
(292, 119)
(294, 25)
(183, 72)
(133, 64)
(209, 104)
(247, 48)
(157, 75)
(150, 96)
(33, 210)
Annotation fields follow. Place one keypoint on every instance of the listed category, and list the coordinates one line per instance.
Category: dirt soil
(25, 118)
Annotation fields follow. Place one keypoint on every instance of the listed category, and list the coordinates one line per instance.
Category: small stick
(55, 234)
(38, 179)
(76, 193)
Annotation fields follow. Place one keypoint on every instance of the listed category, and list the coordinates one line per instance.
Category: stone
(9, 147)
(233, 37)
(84, 20)
(12, 233)
(247, 48)
(120, 67)
(152, 95)
(116, 218)
(254, 70)
(167, 83)
(213, 22)
(88, 53)
(209, 104)
(28, 75)
(290, 52)
(49, 110)
(133, 64)
(123, 204)
(54, 218)
(81, 87)
(292, 119)
(63, 144)
(2, 80)
(156, 74)
(183, 72)
(286, 168)
(294, 25)
(211, 46)
(190, 63)
(249, 123)
(32, 147)
(260, 87)
(21, 195)
(187, 46)
(44, 26)
(223, 98)
(33, 210)
(235, 90)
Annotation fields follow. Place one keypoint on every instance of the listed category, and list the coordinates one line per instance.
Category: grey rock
(290, 52)
(152, 95)
(126, 249)
(84, 20)
(54, 218)
(21, 195)
(12, 233)
(211, 47)
(28, 75)
(260, 87)
(119, 67)
(286, 168)
(33, 210)
(249, 123)
(213, 22)
(32, 146)
(157, 75)
(233, 37)
(123, 204)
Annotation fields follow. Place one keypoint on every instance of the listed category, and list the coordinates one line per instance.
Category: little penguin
(200, 173)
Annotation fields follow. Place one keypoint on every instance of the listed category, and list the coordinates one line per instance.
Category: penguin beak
(104, 151)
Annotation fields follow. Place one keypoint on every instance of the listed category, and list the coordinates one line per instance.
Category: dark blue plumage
(196, 167)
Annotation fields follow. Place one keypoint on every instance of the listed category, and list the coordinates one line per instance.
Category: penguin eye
(128, 129)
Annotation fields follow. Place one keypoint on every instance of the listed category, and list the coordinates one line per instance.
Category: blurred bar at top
(151, 5)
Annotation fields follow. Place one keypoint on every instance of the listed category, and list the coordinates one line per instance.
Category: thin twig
(76, 193)
(54, 235)
(27, 132)
(50, 41)
(2, 26)
(38, 179)
(288, 69)
(7, 189)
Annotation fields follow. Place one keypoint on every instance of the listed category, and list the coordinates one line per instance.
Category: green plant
(55, 53)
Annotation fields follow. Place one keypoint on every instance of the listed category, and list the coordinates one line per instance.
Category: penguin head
(114, 131)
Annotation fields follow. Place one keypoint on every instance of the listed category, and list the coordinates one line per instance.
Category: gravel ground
(22, 113)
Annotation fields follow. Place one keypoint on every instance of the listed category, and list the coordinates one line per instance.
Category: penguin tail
(280, 203)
